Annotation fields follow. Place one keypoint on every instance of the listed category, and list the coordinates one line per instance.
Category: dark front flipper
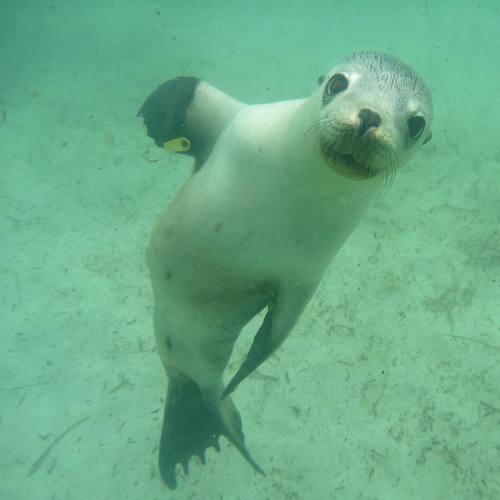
(191, 425)
(164, 111)
(186, 115)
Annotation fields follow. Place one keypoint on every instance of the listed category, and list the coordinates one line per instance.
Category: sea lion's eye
(416, 125)
(335, 85)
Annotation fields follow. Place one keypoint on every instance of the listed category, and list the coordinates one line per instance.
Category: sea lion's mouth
(347, 165)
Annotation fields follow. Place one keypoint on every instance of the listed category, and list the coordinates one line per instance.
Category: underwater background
(389, 386)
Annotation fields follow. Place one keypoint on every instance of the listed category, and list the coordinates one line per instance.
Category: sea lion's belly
(208, 251)
(224, 235)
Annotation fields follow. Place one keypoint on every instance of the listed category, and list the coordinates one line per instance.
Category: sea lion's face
(375, 112)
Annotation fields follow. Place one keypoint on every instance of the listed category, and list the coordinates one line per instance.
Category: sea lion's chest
(263, 202)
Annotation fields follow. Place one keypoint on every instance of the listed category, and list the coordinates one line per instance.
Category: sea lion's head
(374, 113)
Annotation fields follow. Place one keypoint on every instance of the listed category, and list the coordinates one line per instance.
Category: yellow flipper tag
(178, 145)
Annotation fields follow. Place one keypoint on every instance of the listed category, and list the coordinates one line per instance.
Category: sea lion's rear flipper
(280, 319)
(192, 424)
(186, 115)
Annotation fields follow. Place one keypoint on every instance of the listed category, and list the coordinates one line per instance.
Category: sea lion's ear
(427, 139)
(321, 79)
(186, 115)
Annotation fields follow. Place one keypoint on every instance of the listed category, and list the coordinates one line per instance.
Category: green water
(389, 386)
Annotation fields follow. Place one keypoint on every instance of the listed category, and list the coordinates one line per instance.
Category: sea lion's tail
(192, 424)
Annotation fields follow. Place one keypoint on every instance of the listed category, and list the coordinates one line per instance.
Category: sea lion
(276, 190)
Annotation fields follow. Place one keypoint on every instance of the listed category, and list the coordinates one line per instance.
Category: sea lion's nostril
(368, 119)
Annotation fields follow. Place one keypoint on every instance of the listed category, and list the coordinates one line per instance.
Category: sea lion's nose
(368, 119)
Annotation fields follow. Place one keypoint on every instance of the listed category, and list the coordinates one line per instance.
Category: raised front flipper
(186, 115)
(192, 424)
(280, 319)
